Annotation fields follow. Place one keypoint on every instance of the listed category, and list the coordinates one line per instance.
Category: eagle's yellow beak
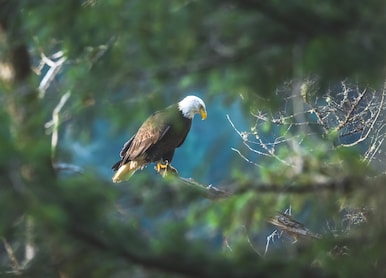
(203, 113)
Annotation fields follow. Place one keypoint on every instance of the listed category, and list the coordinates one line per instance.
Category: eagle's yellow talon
(162, 166)
(165, 169)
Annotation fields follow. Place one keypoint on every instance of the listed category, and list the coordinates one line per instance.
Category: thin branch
(55, 67)
(245, 158)
(244, 137)
(55, 122)
(68, 167)
(271, 238)
(373, 122)
(233, 126)
(11, 255)
(209, 191)
(316, 112)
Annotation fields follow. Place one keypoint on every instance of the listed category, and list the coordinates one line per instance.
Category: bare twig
(354, 106)
(245, 158)
(211, 192)
(11, 255)
(271, 238)
(54, 68)
(269, 151)
(347, 118)
(55, 122)
(371, 123)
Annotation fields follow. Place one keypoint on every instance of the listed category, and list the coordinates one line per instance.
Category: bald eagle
(158, 137)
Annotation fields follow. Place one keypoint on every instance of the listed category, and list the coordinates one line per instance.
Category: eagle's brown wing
(151, 131)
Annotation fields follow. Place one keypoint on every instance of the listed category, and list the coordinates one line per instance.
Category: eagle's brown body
(156, 140)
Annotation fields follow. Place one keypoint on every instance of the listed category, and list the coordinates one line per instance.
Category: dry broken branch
(291, 226)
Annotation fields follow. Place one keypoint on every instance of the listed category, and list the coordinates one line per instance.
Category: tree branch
(193, 263)
(216, 192)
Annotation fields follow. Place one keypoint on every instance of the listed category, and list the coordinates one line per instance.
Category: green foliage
(243, 48)
(125, 59)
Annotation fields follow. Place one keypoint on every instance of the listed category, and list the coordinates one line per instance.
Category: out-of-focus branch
(180, 262)
(54, 68)
(55, 122)
(11, 255)
(216, 192)
(26, 112)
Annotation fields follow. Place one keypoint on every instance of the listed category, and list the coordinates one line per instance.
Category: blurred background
(296, 124)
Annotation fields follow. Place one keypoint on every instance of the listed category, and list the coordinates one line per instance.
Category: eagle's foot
(165, 169)
(161, 166)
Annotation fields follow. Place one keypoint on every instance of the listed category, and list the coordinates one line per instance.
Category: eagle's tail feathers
(125, 171)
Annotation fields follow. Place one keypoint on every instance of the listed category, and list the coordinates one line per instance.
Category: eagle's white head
(192, 105)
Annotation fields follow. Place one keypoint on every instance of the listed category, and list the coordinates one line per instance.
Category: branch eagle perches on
(216, 192)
